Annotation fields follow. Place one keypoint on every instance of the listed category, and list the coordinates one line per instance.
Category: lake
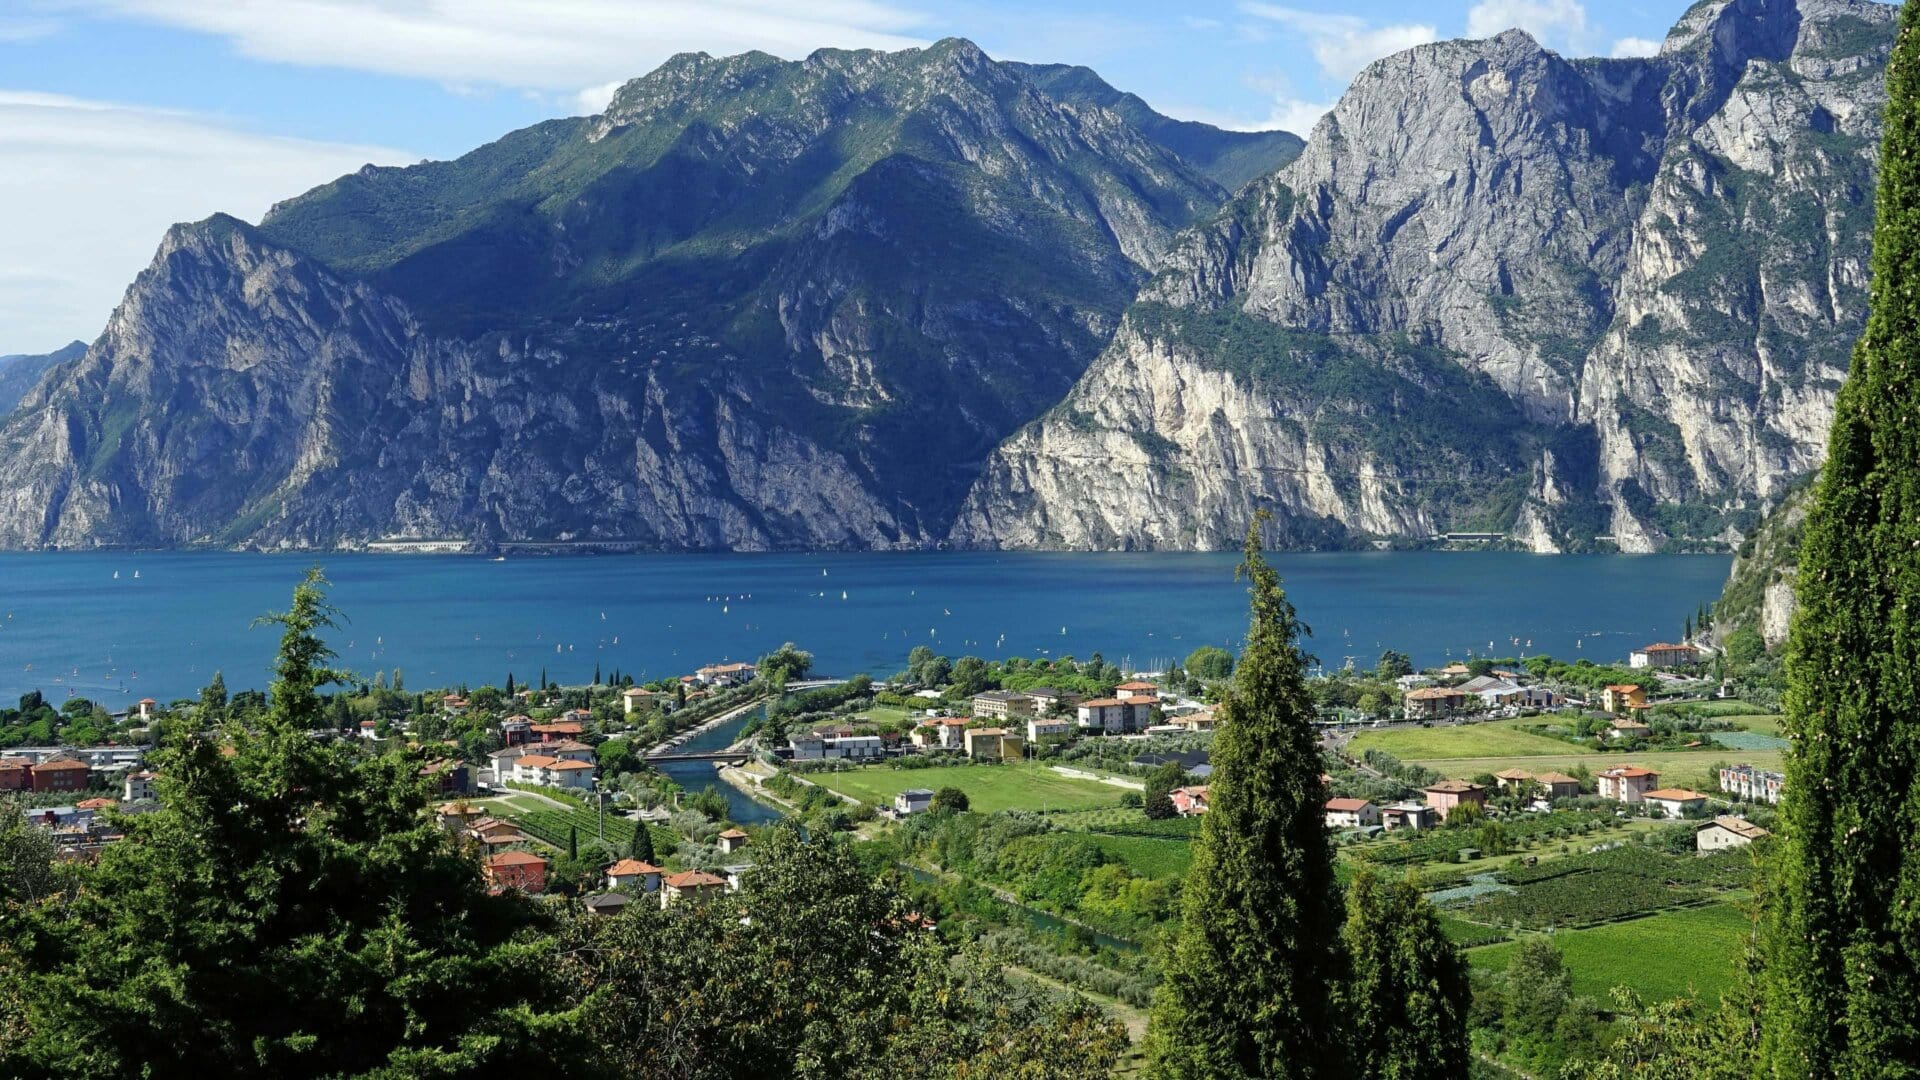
(121, 626)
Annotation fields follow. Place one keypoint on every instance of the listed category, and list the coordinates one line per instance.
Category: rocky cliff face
(19, 372)
(755, 304)
(1576, 302)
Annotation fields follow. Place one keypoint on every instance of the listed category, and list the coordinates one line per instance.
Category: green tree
(616, 757)
(573, 841)
(1406, 988)
(641, 847)
(213, 698)
(27, 851)
(1393, 665)
(788, 663)
(1247, 990)
(1160, 785)
(1843, 954)
(971, 676)
(287, 863)
(1209, 662)
(1538, 989)
(949, 798)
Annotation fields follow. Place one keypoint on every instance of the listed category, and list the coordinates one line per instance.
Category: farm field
(989, 788)
(1145, 855)
(1662, 956)
(1495, 738)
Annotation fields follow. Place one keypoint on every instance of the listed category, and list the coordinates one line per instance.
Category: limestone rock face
(1583, 303)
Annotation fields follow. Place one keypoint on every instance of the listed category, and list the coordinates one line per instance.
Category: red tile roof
(1673, 794)
(733, 834)
(630, 868)
(1347, 806)
(693, 879)
(515, 858)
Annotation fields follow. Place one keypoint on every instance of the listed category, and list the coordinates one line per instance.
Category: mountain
(20, 371)
(1582, 303)
(754, 304)
(1230, 158)
(1759, 591)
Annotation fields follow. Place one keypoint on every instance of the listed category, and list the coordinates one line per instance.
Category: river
(698, 775)
(119, 626)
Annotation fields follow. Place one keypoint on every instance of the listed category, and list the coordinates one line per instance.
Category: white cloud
(90, 186)
(1558, 24)
(1635, 46)
(558, 45)
(1343, 44)
(15, 29)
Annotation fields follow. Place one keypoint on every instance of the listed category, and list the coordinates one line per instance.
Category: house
(1054, 727)
(457, 817)
(95, 805)
(1115, 716)
(59, 774)
(1449, 795)
(732, 840)
(807, 746)
(147, 706)
(448, 776)
(503, 761)
(854, 747)
(558, 731)
(633, 875)
(1513, 779)
(1558, 785)
(573, 775)
(454, 704)
(1199, 720)
(369, 729)
(1002, 705)
(1628, 729)
(1351, 813)
(1455, 670)
(1127, 691)
(1663, 655)
(1622, 699)
(636, 699)
(521, 870)
(16, 774)
(570, 750)
(690, 885)
(494, 833)
(1188, 801)
(1433, 702)
(1048, 700)
(993, 744)
(612, 903)
(1408, 815)
(531, 768)
(1749, 783)
(725, 674)
(1490, 689)
(1196, 763)
(1673, 802)
(137, 787)
(912, 801)
(1726, 832)
(515, 730)
(1627, 783)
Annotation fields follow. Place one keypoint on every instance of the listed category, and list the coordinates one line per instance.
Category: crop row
(1437, 845)
(1586, 898)
(1727, 870)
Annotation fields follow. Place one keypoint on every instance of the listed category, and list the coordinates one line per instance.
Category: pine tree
(213, 699)
(642, 845)
(1843, 950)
(1248, 990)
(1406, 985)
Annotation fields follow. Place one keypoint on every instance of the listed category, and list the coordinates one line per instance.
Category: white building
(1041, 727)
(912, 801)
(1351, 813)
(1726, 832)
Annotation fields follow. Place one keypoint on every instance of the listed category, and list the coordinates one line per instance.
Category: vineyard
(1583, 898)
(553, 826)
(1121, 821)
(1727, 870)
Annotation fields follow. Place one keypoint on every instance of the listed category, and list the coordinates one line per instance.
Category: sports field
(1013, 786)
(1662, 956)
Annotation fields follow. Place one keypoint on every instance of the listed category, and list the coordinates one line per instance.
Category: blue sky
(118, 117)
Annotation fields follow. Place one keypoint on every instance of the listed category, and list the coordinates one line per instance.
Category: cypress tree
(1843, 948)
(1248, 989)
(1406, 986)
(573, 841)
(642, 846)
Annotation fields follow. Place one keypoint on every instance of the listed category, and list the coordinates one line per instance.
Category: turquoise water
(699, 775)
(68, 624)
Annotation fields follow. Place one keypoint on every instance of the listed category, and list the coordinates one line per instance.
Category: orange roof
(733, 834)
(538, 761)
(1347, 806)
(515, 858)
(1555, 778)
(563, 727)
(631, 867)
(1434, 693)
(59, 763)
(1454, 787)
(1200, 791)
(1136, 686)
(1664, 645)
(94, 804)
(1513, 774)
(1674, 794)
(986, 731)
(693, 879)
(573, 765)
(1624, 688)
(1628, 770)
(148, 701)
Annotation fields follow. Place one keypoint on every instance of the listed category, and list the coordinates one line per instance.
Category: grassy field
(1662, 956)
(1147, 856)
(1677, 768)
(1014, 786)
(1496, 738)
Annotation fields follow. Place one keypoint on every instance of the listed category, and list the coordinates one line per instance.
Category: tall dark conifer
(1843, 951)
(1248, 990)
(1405, 990)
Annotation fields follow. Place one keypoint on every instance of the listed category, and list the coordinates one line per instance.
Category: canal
(699, 775)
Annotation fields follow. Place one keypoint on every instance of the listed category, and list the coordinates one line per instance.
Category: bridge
(732, 757)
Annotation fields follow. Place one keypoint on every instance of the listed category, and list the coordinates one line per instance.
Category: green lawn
(1496, 738)
(1013, 786)
(1662, 956)
(1147, 856)
(1760, 723)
